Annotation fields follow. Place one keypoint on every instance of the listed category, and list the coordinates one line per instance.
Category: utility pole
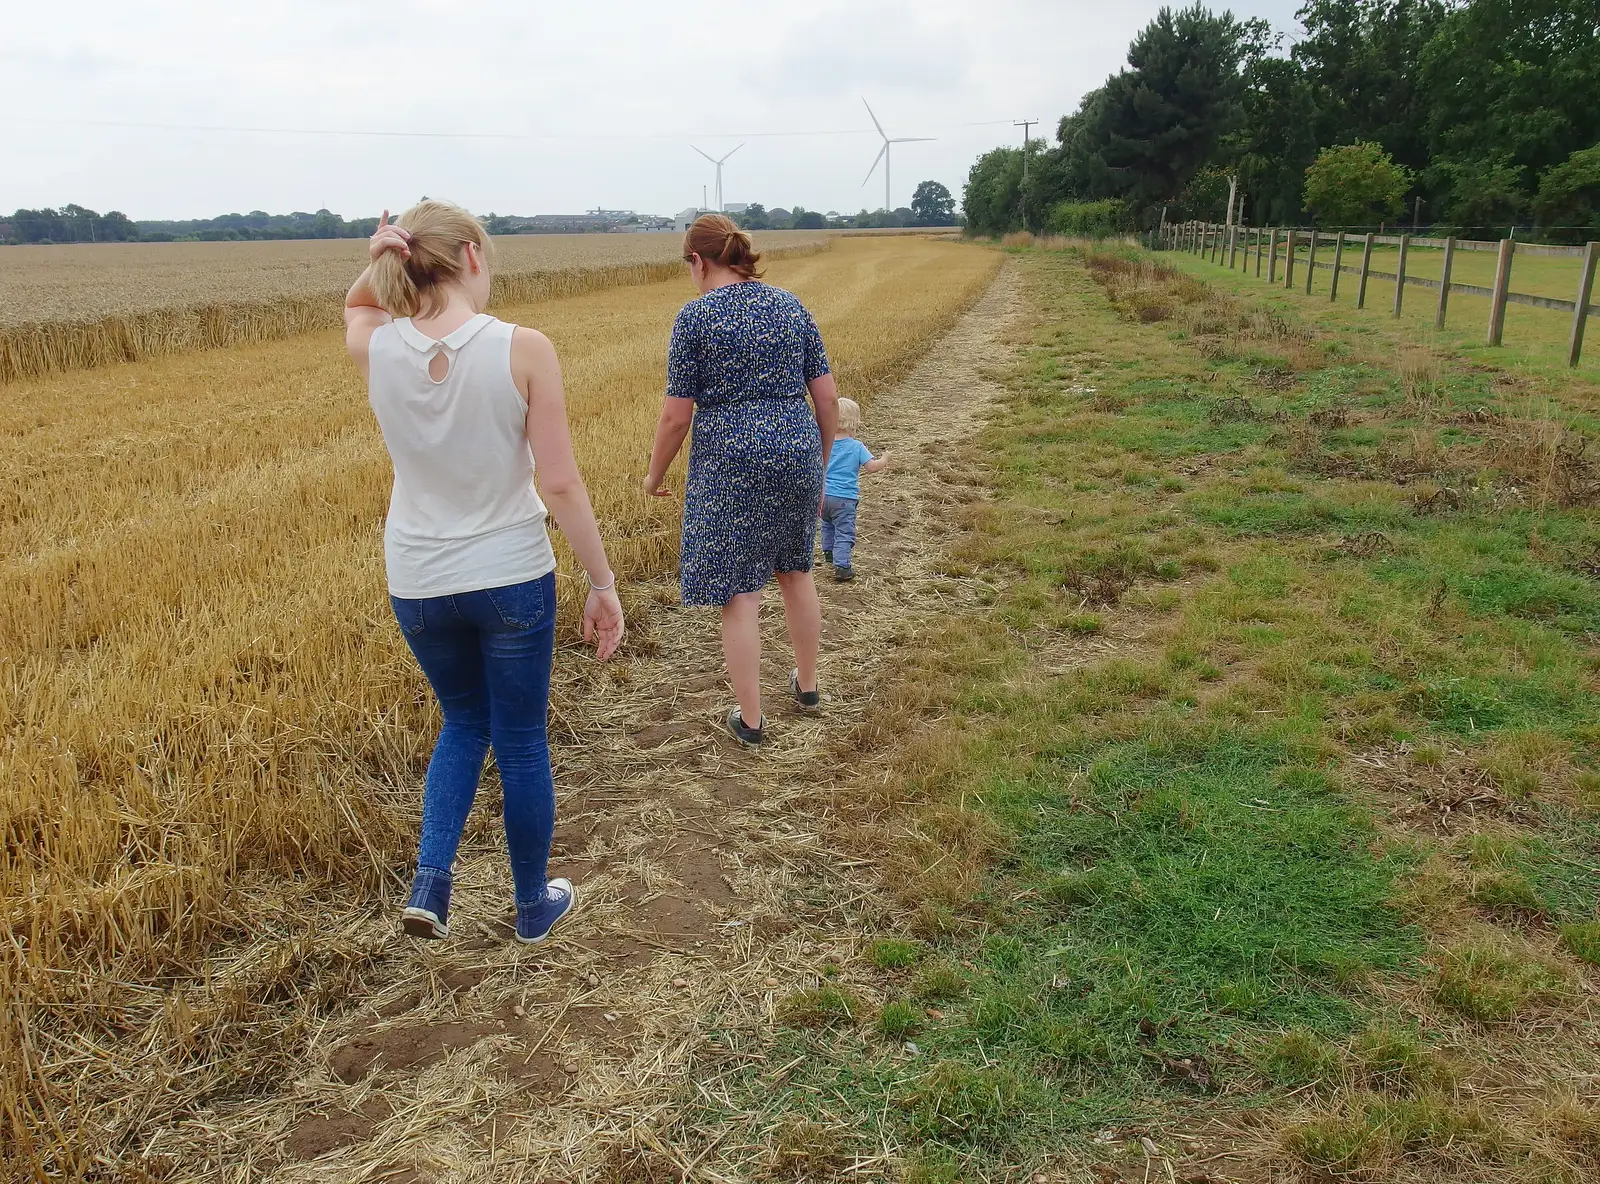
(1024, 124)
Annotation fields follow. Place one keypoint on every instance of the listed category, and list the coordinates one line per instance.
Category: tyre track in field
(709, 883)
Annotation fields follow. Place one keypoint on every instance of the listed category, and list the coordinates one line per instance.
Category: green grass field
(1272, 757)
(1533, 336)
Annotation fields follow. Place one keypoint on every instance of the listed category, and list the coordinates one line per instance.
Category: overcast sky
(546, 107)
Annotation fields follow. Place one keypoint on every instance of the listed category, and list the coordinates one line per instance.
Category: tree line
(932, 205)
(76, 224)
(1473, 117)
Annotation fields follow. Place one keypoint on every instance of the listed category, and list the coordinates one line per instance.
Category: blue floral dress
(744, 353)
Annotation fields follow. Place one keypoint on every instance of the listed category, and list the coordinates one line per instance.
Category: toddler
(842, 490)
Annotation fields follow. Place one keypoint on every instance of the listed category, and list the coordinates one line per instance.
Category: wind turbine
(718, 163)
(883, 154)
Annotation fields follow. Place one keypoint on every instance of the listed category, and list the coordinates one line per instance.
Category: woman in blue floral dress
(743, 358)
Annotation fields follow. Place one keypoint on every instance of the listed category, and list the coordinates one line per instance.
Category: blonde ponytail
(408, 287)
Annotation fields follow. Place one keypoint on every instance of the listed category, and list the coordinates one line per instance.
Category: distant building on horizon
(597, 221)
(686, 218)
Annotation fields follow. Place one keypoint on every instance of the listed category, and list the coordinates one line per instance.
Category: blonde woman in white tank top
(471, 408)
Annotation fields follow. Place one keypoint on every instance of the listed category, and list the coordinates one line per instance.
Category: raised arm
(538, 373)
(363, 315)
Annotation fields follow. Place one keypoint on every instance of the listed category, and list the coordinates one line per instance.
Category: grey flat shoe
(810, 700)
(743, 733)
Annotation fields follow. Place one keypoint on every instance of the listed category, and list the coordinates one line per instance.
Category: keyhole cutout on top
(439, 366)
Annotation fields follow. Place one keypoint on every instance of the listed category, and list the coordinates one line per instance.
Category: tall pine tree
(1153, 126)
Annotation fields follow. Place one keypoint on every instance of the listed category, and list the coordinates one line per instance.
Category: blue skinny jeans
(839, 528)
(487, 656)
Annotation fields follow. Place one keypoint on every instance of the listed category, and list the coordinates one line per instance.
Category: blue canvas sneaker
(427, 912)
(536, 920)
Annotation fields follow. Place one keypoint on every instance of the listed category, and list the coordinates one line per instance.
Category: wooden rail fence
(1231, 246)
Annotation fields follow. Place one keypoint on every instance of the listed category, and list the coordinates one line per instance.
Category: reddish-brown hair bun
(716, 238)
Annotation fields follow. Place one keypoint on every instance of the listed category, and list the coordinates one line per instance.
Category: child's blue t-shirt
(844, 467)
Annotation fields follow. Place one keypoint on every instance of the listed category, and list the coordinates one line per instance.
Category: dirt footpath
(706, 880)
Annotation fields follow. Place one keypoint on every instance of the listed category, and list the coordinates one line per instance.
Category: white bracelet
(594, 587)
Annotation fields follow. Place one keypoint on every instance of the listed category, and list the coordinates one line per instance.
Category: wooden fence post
(1288, 260)
(1400, 274)
(1366, 266)
(1311, 261)
(1233, 248)
(1502, 285)
(1444, 281)
(1580, 315)
(1216, 244)
(1338, 262)
(1260, 249)
(1272, 257)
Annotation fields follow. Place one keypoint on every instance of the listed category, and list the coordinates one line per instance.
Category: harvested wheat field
(71, 307)
(214, 735)
(1205, 787)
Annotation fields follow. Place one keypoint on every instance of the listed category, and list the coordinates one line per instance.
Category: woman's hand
(602, 621)
(389, 237)
(656, 487)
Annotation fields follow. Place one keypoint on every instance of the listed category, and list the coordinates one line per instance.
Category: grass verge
(1258, 829)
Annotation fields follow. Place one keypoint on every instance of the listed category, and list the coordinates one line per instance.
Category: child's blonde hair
(849, 415)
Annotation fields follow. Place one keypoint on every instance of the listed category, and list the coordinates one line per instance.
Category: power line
(427, 135)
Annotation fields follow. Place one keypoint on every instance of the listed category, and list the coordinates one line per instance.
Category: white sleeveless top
(463, 515)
